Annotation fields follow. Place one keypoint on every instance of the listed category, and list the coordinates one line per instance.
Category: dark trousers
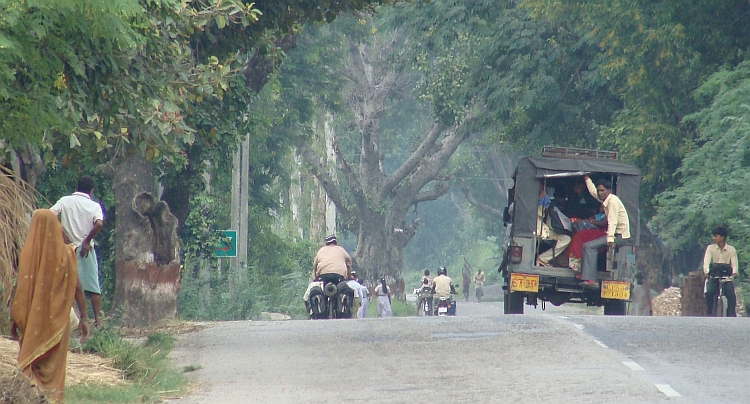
(590, 253)
(331, 278)
(712, 290)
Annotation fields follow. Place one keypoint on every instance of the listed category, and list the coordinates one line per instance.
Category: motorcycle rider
(332, 263)
(442, 286)
(425, 282)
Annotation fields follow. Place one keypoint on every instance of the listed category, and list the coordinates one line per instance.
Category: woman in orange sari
(40, 314)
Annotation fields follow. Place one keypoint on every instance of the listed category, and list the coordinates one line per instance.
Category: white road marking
(579, 326)
(601, 344)
(633, 365)
(563, 317)
(668, 390)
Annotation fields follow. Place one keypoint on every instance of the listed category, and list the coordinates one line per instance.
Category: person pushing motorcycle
(442, 286)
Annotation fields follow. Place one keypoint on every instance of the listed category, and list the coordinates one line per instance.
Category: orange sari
(47, 277)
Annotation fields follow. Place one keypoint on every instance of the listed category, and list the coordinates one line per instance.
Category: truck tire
(615, 308)
(512, 303)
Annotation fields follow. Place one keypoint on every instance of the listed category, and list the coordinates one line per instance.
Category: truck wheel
(615, 308)
(513, 303)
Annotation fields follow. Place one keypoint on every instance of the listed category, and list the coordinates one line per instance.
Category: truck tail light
(516, 254)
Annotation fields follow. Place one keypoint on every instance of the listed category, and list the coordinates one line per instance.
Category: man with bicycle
(719, 257)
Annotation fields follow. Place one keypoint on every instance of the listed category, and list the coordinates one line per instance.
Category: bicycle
(723, 274)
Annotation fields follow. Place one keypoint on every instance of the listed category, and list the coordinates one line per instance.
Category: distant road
(480, 356)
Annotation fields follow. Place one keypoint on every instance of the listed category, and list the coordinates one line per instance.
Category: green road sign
(228, 246)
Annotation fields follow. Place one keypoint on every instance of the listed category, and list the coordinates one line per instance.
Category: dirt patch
(82, 367)
(171, 327)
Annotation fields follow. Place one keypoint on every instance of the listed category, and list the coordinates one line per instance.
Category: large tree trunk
(380, 247)
(147, 261)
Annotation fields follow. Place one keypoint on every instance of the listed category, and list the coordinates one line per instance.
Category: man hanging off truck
(618, 230)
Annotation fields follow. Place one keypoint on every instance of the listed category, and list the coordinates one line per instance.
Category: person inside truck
(545, 232)
(585, 230)
(576, 202)
(618, 230)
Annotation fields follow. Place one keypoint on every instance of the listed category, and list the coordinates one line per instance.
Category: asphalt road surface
(567, 354)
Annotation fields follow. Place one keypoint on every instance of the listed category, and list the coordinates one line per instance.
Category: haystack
(16, 205)
(82, 367)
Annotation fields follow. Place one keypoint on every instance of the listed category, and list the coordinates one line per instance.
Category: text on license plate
(524, 283)
(616, 290)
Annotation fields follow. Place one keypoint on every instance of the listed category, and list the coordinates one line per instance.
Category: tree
(652, 56)
(712, 188)
(372, 201)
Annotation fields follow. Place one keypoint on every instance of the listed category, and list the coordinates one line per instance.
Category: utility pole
(240, 190)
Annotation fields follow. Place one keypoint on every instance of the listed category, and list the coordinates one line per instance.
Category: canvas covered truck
(559, 172)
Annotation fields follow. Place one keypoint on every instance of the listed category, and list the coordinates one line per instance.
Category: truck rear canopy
(532, 170)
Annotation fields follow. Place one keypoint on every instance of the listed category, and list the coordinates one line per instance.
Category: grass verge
(145, 365)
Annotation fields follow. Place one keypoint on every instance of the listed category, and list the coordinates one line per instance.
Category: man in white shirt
(360, 296)
(81, 220)
(720, 253)
(618, 230)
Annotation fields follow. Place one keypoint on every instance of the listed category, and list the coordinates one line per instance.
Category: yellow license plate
(524, 283)
(616, 290)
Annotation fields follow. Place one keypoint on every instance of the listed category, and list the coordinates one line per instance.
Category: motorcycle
(424, 301)
(446, 307)
(331, 301)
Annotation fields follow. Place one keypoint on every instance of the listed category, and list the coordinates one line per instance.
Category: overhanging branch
(412, 162)
(479, 205)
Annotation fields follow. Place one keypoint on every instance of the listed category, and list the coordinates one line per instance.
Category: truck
(527, 280)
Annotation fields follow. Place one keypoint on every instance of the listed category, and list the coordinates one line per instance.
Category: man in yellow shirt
(442, 286)
(618, 230)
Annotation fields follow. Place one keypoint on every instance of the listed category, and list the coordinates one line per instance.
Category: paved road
(558, 356)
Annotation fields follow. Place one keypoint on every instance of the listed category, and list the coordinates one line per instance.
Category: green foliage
(145, 365)
(530, 79)
(712, 180)
(652, 56)
(276, 284)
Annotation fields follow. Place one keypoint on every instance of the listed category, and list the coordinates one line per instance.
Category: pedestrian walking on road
(365, 303)
(40, 312)
(466, 278)
(479, 285)
(383, 292)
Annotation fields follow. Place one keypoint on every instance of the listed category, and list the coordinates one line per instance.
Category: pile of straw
(82, 368)
(16, 389)
(16, 205)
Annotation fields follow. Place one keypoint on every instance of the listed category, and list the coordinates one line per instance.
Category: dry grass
(16, 389)
(82, 368)
(16, 205)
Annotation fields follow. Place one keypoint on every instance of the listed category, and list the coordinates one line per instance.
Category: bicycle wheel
(720, 306)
